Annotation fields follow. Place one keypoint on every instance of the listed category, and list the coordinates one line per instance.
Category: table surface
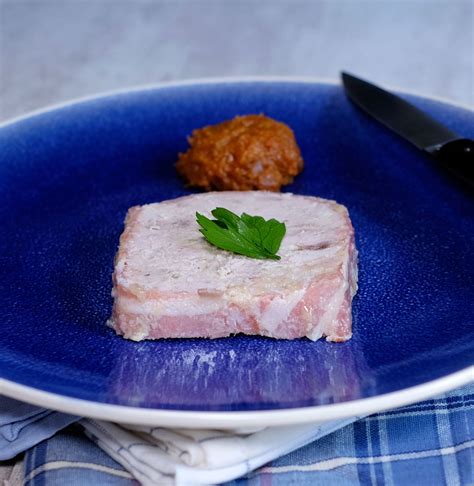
(52, 50)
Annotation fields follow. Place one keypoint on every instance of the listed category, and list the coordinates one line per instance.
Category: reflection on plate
(67, 178)
(257, 370)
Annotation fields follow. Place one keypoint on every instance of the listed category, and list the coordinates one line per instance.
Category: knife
(446, 147)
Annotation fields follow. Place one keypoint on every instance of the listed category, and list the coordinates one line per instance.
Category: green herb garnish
(247, 235)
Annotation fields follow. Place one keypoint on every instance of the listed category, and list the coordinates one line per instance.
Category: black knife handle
(457, 156)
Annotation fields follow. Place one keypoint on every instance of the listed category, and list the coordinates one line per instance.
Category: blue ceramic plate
(68, 176)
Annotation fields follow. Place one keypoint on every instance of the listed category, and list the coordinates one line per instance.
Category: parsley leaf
(247, 235)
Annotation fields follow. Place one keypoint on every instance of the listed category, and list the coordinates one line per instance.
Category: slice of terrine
(169, 282)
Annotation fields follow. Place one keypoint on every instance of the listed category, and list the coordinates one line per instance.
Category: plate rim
(236, 419)
(216, 80)
(232, 419)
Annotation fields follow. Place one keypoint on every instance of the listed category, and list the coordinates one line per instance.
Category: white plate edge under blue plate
(235, 420)
(230, 420)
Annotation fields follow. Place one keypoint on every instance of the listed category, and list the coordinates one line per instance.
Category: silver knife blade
(397, 114)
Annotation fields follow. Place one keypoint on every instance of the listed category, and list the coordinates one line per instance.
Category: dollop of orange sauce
(251, 152)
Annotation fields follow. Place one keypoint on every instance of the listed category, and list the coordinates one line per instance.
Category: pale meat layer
(170, 282)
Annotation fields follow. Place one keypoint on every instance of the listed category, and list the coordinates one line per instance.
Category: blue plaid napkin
(429, 443)
(23, 425)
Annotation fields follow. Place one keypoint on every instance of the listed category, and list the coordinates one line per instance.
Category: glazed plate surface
(68, 176)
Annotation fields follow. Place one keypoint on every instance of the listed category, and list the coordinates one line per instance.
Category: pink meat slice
(169, 282)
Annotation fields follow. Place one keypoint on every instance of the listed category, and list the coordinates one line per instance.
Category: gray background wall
(54, 50)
